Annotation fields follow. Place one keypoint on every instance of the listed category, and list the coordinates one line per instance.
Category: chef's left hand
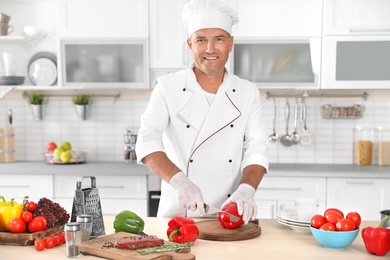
(244, 198)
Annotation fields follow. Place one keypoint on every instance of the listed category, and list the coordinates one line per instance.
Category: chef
(203, 132)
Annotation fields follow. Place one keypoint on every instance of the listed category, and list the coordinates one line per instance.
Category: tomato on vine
(27, 216)
(39, 244)
(17, 225)
(31, 206)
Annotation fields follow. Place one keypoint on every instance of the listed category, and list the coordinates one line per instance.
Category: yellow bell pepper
(3, 202)
(9, 212)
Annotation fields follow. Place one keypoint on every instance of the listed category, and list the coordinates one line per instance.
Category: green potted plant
(36, 101)
(81, 102)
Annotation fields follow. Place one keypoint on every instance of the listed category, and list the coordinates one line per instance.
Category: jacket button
(230, 160)
(229, 195)
(188, 126)
(234, 90)
(184, 89)
(191, 160)
(231, 125)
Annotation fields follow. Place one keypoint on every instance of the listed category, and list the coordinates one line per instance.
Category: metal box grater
(87, 201)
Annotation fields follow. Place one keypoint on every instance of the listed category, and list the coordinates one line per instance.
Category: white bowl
(32, 30)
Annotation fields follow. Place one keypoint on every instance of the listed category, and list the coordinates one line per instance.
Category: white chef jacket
(210, 144)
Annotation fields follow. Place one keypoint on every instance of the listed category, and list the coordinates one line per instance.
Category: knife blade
(213, 210)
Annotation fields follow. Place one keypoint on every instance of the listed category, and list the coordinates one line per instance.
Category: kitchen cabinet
(366, 196)
(99, 18)
(278, 193)
(277, 18)
(356, 17)
(116, 193)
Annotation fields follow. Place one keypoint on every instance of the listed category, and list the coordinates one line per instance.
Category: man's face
(210, 49)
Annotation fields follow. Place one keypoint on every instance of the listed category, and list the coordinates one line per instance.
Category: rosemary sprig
(165, 248)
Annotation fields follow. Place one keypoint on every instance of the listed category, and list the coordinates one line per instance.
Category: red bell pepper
(182, 230)
(377, 240)
(224, 219)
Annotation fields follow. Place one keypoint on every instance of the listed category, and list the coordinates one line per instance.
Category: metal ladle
(286, 139)
(274, 136)
(295, 136)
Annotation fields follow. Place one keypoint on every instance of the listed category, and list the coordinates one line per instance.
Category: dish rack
(352, 112)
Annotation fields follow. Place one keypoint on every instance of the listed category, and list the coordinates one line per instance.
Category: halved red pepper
(224, 219)
(182, 230)
(377, 240)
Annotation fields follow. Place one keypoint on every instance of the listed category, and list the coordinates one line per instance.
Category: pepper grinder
(129, 149)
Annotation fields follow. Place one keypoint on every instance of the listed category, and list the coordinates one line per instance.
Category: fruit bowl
(77, 157)
(334, 239)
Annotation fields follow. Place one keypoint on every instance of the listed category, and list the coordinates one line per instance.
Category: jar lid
(84, 218)
(72, 226)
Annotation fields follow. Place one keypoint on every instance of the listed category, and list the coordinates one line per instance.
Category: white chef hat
(201, 14)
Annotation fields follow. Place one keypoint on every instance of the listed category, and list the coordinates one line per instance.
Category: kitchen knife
(213, 210)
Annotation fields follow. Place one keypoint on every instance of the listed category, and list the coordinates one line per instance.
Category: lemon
(57, 152)
(66, 156)
(66, 146)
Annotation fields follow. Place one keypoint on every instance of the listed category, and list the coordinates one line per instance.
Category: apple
(51, 146)
(66, 146)
(66, 156)
(57, 152)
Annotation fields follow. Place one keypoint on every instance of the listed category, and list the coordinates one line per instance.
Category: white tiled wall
(101, 135)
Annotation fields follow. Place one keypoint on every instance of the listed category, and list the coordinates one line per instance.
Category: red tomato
(51, 146)
(17, 225)
(27, 216)
(37, 224)
(39, 244)
(332, 216)
(317, 221)
(31, 206)
(328, 227)
(345, 224)
(334, 209)
(50, 242)
(58, 239)
(355, 217)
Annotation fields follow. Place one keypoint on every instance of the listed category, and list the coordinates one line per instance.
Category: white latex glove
(188, 195)
(244, 198)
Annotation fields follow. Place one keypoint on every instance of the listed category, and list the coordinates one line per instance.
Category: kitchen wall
(101, 135)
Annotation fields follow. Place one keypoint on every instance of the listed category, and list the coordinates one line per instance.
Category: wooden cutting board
(25, 239)
(96, 247)
(212, 230)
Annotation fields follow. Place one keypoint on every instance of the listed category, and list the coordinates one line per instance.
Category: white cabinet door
(100, 18)
(349, 17)
(264, 18)
(266, 209)
(365, 196)
(168, 48)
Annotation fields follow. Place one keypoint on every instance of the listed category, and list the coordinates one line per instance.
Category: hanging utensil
(295, 136)
(286, 139)
(305, 136)
(274, 136)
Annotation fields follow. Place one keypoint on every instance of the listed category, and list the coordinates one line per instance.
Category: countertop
(123, 168)
(275, 242)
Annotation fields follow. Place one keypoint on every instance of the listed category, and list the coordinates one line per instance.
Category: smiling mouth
(211, 58)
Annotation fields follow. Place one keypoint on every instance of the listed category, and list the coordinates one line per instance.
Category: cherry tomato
(317, 221)
(27, 216)
(17, 225)
(332, 216)
(31, 206)
(328, 227)
(345, 224)
(58, 239)
(355, 217)
(39, 244)
(334, 209)
(38, 223)
(50, 242)
(51, 146)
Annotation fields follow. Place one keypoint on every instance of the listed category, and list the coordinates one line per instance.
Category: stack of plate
(289, 217)
(11, 80)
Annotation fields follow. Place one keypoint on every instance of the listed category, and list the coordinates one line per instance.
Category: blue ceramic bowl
(334, 239)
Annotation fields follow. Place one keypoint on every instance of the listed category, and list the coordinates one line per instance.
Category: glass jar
(363, 145)
(383, 146)
(73, 239)
(86, 226)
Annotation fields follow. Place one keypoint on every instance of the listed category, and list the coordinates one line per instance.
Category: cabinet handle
(280, 188)
(154, 197)
(359, 182)
(112, 187)
(362, 30)
(185, 57)
(16, 186)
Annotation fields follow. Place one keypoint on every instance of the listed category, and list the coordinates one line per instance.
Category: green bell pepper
(128, 221)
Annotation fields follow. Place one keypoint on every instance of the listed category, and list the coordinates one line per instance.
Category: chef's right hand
(188, 195)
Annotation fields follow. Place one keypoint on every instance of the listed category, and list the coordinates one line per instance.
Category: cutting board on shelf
(212, 230)
(25, 239)
(101, 247)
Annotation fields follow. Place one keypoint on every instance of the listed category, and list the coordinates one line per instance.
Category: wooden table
(275, 242)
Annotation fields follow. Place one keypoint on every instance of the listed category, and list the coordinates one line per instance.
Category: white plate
(292, 223)
(291, 215)
(49, 61)
(295, 227)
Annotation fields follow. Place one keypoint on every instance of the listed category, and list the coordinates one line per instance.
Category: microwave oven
(278, 63)
(356, 62)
